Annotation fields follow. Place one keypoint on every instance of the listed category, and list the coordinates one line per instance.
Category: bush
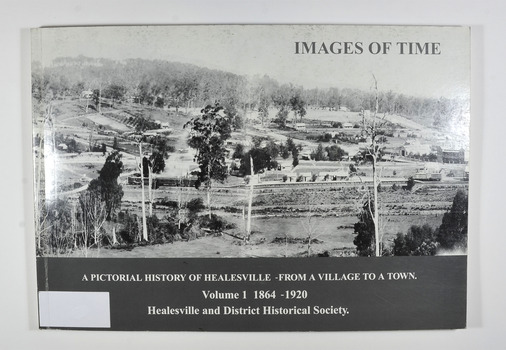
(364, 231)
(195, 205)
(410, 184)
(419, 240)
(130, 230)
(215, 223)
(161, 231)
(453, 230)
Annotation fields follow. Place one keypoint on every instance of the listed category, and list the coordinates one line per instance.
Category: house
(338, 175)
(305, 156)
(300, 127)
(87, 94)
(454, 156)
(291, 177)
(305, 177)
(347, 126)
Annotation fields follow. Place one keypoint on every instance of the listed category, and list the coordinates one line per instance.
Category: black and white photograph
(251, 141)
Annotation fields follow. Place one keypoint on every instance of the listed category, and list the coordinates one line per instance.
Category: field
(274, 237)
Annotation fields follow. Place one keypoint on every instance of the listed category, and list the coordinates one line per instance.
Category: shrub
(453, 230)
(419, 240)
(215, 223)
(410, 184)
(130, 230)
(364, 231)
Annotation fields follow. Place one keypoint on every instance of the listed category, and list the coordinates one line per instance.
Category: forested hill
(162, 83)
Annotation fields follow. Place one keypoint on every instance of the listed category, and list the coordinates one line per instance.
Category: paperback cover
(251, 177)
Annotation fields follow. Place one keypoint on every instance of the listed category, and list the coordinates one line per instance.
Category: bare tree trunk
(376, 209)
(250, 200)
(99, 98)
(73, 225)
(150, 190)
(38, 224)
(90, 139)
(244, 219)
(85, 227)
(209, 190)
(179, 202)
(375, 175)
(209, 201)
(53, 176)
(144, 226)
(114, 238)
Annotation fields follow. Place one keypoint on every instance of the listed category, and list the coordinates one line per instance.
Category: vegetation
(453, 230)
(106, 185)
(423, 240)
(208, 134)
(364, 230)
(172, 84)
(419, 240)
(263, 158)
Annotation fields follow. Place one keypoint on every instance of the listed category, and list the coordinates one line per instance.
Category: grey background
(487, 289)
(436, 299)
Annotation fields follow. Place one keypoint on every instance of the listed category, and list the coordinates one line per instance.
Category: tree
(335, 153)
(419, 240)
(146, 164)
(107, 183)
(410, 184)
(298, 106)
(185, 89)
(238, 151)
(96, 99)
(290, 145)
(261, 160)
(285, 153)
(58, 223)
(159, 152)
(129, 231)
(295, 156)
(208, 134)
(319, 154)
(115, 144)
(94, 215)
(115, 92)
(371, 129)
(263, 108)
(364, 230)
(281, 117)
(159, 102)
(272, 149)
(453, 230)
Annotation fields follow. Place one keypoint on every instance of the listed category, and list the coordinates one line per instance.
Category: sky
(271, 50)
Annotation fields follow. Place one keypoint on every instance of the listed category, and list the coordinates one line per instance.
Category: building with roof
(453, 156)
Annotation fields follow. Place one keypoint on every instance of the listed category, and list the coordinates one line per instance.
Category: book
(251, 177)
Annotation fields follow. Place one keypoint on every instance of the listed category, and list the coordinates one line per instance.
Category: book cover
(251, 177)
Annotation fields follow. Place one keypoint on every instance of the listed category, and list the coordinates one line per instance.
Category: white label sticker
(74, 309)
